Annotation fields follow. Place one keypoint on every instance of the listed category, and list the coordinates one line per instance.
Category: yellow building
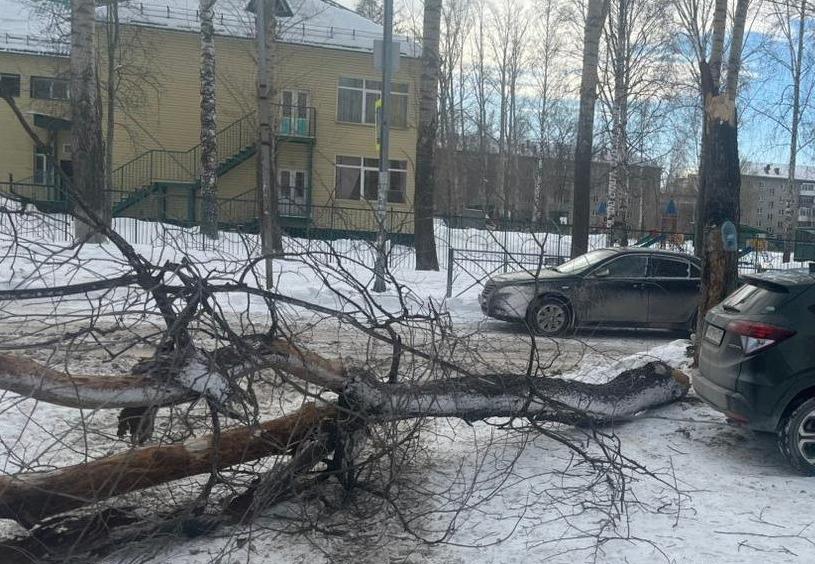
(326, 88)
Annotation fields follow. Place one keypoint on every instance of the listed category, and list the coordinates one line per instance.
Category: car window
(695, 271)
(631, 266)
(581, 263)
(662, 267)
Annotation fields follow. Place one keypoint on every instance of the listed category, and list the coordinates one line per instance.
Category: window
(9, 84)
(42, 171)
(49, 88)
(356, 101)
(295, 113)
(292, 186)
(780, 224)
(631, 266)
(695, 271)
(358, 178)
(759, 211)
(808, 187)
(772, 203)
(668, 268)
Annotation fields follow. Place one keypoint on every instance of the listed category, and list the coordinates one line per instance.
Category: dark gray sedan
(627, 287)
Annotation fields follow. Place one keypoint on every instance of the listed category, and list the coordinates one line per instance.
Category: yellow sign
(377, 120)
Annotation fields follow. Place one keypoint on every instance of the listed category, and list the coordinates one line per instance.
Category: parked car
(628, 287)
(757, 360)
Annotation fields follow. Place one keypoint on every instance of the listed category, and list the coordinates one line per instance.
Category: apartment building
(326, 89)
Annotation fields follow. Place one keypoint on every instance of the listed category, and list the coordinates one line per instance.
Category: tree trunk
(721, 183)
(792, 198)
(617, 193)
(270, 233)
(585, 127)
(113, 35)
(87, 147)
(426, 258)
(714, 70)
(29, 498)
(209, 147)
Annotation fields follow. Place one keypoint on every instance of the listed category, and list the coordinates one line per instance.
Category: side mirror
(602, 273)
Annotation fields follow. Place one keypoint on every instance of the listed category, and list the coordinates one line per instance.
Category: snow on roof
(778, 171)
(25, 28)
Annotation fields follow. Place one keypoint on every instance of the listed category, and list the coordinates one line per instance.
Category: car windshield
(581, 263)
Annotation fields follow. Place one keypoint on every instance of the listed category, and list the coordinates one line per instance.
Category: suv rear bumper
(733, 404)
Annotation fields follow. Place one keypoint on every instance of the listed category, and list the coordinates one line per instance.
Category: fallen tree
(214, 369)
(29, 497)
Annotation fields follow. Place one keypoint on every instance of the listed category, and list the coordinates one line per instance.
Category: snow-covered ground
(720, 494)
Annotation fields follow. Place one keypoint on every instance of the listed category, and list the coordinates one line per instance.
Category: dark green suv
(757, 360)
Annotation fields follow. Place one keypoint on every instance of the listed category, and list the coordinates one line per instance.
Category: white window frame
(366, 89)
(292, 185)
(363, 168)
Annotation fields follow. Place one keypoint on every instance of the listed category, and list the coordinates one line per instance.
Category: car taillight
(756, 336)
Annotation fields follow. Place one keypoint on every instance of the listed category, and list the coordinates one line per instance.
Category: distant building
(462, 189)
(763, 195)
(762, 198)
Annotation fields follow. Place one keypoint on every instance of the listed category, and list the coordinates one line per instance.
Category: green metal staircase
(140, 178)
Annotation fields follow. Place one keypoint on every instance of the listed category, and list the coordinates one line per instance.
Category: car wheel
(549, 317)
(796, 437)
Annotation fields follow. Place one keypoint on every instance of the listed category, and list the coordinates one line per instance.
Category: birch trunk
(270, 233)
(595, 16)
(426, 258)
(209, 144)
(792, 197)
(87, 147)
(617, 178)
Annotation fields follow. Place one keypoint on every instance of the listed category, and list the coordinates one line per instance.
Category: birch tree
(270, 232)
(209, 140)
(791, 24)
(87, 147)
(426, 258)
(595, 16)
(550, 88)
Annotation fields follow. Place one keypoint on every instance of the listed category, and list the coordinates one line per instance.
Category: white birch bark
(209, 144)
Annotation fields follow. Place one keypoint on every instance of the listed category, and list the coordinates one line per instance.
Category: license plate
(714, 334)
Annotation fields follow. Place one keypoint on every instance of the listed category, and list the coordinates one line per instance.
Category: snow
(802, 172)
(723, 494)
(314, 22)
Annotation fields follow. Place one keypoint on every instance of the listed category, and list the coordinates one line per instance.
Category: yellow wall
(162, 105)
(16, 148)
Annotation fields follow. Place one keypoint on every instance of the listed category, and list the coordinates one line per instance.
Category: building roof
(777, 171)
(26, 27)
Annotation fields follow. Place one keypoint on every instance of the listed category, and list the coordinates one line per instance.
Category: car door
(615, 291)
(673, 289)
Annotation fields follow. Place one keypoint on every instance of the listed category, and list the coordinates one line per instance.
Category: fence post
(450, 256)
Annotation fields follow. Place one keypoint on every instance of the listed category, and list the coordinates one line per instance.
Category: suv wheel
(796, 437)
(549, 317)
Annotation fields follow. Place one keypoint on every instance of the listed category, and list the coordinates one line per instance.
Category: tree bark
(426, 257)
(87, 148)
(617, 177)
(112, 31)
(270, 232)
(209, 140)
(792, 198)
(585, 127)
(30, 497)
